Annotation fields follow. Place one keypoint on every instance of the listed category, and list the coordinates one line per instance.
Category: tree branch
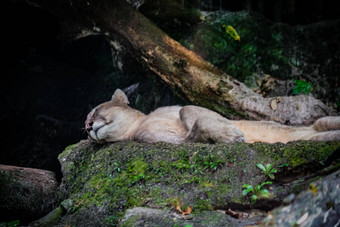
(187, 73)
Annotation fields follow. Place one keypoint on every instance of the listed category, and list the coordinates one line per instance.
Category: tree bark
(184, 71)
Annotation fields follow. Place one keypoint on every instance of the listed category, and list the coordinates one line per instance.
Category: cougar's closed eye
(95, 113)
(103, 118)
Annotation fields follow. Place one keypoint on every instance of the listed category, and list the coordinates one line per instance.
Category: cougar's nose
(88, 126)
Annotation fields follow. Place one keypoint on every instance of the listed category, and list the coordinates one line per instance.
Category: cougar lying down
(115, 121)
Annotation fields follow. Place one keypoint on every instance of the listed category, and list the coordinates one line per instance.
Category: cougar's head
(110, 121)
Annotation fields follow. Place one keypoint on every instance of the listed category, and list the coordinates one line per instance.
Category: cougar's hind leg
(330, 123)
(207, 126)
(190, 114)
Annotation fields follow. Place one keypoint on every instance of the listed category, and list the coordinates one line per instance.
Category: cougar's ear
(119, 97)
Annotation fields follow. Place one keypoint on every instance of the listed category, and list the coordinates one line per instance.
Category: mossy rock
(155, 217)
(107, 180)
(259, 49)
(282, 51)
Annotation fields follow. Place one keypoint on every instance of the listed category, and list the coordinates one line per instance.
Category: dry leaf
(178, 208)
(187, 211)
(273, 104)
(234, 214)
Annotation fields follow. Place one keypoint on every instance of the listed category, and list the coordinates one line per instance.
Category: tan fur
(115, 121)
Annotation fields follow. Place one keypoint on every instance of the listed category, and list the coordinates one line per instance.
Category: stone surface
(141, 216)
(102, 182)
(319, 205)
(25, 193)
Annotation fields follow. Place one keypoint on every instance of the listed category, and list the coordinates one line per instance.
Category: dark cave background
(48, 85)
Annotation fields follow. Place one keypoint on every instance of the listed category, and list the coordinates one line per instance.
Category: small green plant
(302, 87)
(138, 178)
(196, 169)
(210, 162)
(267, 170)
(117, 167)
(258, 191)
(194, 179)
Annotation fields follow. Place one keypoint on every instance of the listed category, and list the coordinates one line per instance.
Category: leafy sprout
(302, 87)
(267, 170)
(117, 167)
(257, 191)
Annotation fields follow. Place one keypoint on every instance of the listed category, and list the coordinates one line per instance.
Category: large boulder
(319, 205)
(25, 193)
(128, 182)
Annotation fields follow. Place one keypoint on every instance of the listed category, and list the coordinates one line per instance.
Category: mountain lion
(115, 121)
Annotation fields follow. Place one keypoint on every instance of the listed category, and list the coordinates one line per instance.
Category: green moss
(156, 196)
(136, 170)
(132, 221)
(207, 184)
(202, 204)
(297, 188)
(306, 152)
(181, 165)
(67, 150)
(50, 218)
(112, 220)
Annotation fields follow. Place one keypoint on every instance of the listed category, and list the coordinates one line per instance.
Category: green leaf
(273, 170)
(264, 193)
(268, 167)
(284, 165)
(271, 176)
(247, 186)
(246, 191)
(257, 188)
(264, 183)
(302, 87)
(253, 199)
(261, 167)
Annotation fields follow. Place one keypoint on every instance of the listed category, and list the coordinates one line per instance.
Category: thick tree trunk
(187, 73)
